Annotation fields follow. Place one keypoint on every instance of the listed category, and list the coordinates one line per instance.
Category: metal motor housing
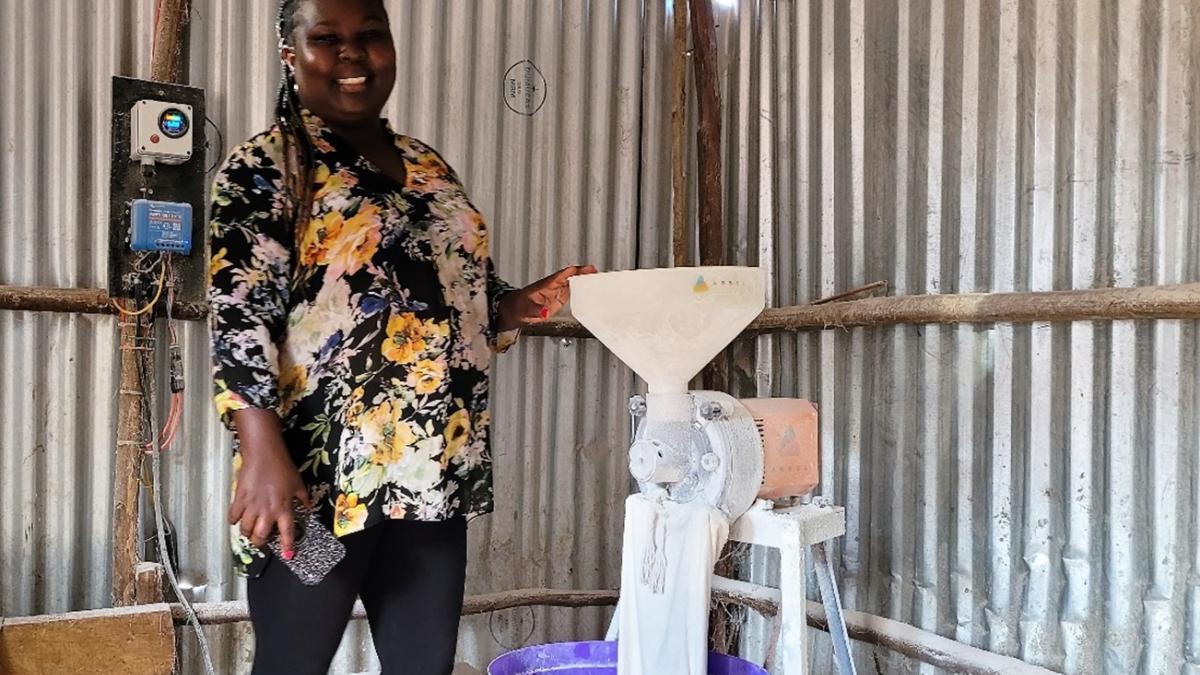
(725, 452)
(716, 456)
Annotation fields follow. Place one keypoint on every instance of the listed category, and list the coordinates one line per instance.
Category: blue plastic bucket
(594, 658)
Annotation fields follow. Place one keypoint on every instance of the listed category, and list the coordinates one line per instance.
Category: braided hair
(297, 145)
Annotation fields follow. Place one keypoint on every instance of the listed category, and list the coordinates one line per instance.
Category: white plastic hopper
(667, 324)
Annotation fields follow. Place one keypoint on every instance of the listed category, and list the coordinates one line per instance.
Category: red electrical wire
(171, 429)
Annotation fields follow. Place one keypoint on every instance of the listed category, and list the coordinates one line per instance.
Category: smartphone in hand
(317, 551)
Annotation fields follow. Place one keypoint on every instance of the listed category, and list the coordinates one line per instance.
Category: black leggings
(410, 577)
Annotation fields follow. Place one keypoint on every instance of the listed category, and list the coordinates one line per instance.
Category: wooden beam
(708, 134)
(923, 646)
(132, 434)
(168, 63)
(169, 58)
(149, 583)
(679, 122)
(547, 597)
(141, 639)
(219, 613)
(708, 145)
(134, 641)
(77, 301)
(902, 638)
(1100, 304)
(896, 636)
(846, 295)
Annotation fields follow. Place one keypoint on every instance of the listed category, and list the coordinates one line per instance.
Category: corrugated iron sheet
(58, 393)
(1026, 489)
(559, 187)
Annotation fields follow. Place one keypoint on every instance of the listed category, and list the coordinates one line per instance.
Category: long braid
(297, 145)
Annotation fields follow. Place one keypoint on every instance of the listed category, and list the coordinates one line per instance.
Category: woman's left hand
(540, 300)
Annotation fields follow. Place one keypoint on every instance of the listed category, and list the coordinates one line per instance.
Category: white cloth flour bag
(666, 575)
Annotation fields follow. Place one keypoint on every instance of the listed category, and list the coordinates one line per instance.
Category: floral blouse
(369, 331)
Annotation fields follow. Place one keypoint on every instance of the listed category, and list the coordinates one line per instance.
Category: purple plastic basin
(594, 658)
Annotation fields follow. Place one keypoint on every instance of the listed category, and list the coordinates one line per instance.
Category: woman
(355, 309)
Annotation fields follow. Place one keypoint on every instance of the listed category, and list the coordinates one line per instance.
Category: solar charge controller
(160, 226)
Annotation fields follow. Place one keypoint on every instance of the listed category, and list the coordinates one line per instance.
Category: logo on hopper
(703, 285)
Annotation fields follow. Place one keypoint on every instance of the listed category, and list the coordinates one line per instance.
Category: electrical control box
(160, 226)
(147, 194)
(160, 131)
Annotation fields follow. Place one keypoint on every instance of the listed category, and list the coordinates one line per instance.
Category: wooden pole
(168, 64)
(149, 583)
(170, 37)
(679, 122)
(712, 226)
(902, 638)
(1095, 304)
(1099, 304)
(708, 145)
(78, 301)
(136, 352)
(143, 635)
(708, 135)
(846, 295)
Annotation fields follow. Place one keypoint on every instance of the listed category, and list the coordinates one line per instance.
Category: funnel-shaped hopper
(667, 324)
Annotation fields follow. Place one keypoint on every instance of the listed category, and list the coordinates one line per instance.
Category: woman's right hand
(268, 481)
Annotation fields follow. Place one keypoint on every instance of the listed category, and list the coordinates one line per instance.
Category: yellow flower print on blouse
(227, 400)
(355, 242)
(427, 376)
(348, 515)
(386, 434)
(332, 183)
(458, 429)
(218, 263)
(409, 337)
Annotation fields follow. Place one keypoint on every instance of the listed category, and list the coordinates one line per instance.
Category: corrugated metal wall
(57, 396)
(1030, 489)
(559, 187)
(1027, 489)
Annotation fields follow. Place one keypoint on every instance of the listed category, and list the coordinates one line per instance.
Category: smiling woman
(355, 309)
(343, 62)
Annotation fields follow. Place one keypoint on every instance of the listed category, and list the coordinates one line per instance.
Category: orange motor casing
(788, 428)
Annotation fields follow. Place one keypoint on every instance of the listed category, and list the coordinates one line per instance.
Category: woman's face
(344, 59)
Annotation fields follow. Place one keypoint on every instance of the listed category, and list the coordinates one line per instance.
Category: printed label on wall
(524, 88)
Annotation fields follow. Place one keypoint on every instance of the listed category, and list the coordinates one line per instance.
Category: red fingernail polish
(545, 312)
(288, 555)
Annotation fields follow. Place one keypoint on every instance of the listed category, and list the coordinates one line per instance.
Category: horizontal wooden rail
(1099, 304)
(140, 630)
(899, 637)
(77, 301)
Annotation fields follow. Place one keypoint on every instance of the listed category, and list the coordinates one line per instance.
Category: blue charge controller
(160, 226)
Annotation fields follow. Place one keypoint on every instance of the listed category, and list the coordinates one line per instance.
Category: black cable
(220, 144)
